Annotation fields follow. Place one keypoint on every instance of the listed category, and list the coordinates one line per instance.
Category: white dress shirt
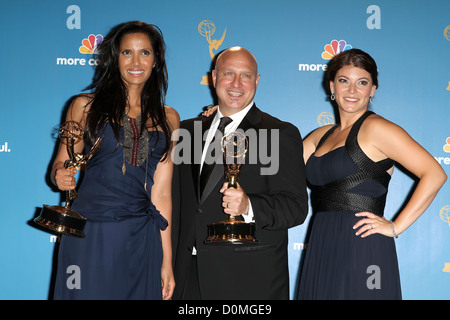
(237, 119)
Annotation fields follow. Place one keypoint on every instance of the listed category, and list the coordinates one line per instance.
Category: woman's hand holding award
(62, 219)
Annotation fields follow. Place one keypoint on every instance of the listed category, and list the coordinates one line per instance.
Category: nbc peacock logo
(330, 50)
(335, 47)
(91, 44)
(446, 146)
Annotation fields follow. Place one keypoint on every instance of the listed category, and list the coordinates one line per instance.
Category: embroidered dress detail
(135, 144)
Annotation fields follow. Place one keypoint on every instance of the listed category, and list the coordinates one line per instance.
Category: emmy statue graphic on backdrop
(232, 231)
(63, 219)
(206, 28)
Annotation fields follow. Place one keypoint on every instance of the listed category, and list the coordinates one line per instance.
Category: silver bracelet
(393, 230)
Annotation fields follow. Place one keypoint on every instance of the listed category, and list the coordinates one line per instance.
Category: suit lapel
(251, 120)
(206, 124)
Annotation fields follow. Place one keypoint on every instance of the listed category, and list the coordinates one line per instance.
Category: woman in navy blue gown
(351, 251)
(126, 190)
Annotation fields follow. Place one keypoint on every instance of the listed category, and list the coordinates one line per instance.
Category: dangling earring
(371, 99)
(332, 97)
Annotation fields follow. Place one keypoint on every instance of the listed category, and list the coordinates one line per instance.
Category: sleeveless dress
(337, 263)
(121, 255)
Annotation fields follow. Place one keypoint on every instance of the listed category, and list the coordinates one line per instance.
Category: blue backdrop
(43, 66)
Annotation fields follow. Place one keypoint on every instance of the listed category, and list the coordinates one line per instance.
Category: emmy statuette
(232, 231)
(62, 219)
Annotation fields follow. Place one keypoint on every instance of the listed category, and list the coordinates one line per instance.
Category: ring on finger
(371, 226)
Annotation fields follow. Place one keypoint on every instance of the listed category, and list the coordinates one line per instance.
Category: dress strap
(364, 163)
(326, 135)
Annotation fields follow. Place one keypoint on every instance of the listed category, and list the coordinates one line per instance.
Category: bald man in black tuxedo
(272, 195)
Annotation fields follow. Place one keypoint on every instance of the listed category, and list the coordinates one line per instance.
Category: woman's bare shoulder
(173, 118)
(79, 107)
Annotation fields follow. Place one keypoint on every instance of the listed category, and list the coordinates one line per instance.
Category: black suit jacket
(279, 201)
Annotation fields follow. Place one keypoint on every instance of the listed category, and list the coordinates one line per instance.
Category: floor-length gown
(121, 254)
(337, 263)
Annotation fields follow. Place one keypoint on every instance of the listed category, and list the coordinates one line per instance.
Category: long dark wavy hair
(110, 94)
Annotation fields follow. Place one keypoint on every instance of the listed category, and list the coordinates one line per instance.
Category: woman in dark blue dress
(126, 190)
(351, 251)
